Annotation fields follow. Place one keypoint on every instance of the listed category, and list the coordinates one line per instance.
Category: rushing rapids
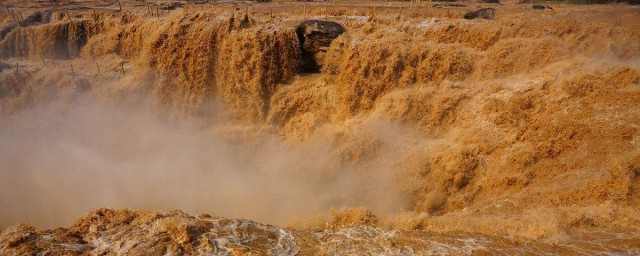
(415, 131)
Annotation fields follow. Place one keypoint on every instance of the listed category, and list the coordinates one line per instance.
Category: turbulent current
(172, 128)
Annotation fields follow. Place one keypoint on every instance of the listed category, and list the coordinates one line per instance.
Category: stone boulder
(4, 66)
(541, 7)
(444, 5)
(315, 37)
(171, 5)
(484, 13)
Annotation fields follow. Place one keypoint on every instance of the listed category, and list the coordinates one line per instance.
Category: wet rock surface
(171, 5)
(541, 7)
(443, 5)
(315, 37)
(484, 13)
(4, 66)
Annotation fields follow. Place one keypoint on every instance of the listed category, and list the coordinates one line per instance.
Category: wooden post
(10, 12)
(17, 67)
(73, 74)
(158, 11)
(400, 14)
(122, 66)
(120, 5)
(270, 14)
(95, 16)
(15, 16)
(68, 15)
(98, 67)
(304, 12)
(374, 10)
(326, 10)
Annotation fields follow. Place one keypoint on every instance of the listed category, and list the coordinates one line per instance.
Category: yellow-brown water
(439, 135)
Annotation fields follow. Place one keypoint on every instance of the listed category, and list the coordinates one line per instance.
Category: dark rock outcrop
(442, 5)
(171, 5)
(4, 66)
(541, 7)
(315, 37)
(484, 13)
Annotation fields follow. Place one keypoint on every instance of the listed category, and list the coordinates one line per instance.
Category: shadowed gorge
(348, 128)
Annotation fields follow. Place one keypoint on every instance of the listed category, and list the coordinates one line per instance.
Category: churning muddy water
(319, 129)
